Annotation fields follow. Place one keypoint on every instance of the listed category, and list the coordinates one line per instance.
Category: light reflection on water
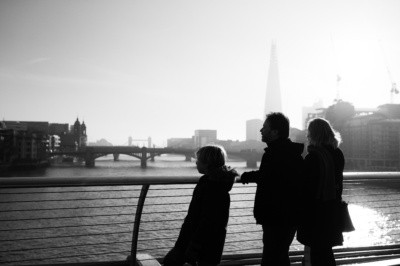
(372, 227)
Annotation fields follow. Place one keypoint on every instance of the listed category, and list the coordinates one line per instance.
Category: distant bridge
(90, 153)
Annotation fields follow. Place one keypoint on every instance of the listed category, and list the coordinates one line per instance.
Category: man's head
(276, 126)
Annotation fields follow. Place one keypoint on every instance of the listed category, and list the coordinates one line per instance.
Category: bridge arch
(91, 153)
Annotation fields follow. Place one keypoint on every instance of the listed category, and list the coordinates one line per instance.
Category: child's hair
(212, 155)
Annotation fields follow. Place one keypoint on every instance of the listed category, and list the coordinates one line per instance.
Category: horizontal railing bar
(156, 248)
(173, 188)
(61, 226)
(174, 228)
(247, 232)
(64, 191)
(242, 200)
(166, 229)
(69, 236)
(147, 213)
(370, 175)
(373, 201)
(377, 177)
(239, 208)
(63, 200)
(371, 194)
(28, 182)
(66, 257)
(243, 240)
(241, 215)
(66, 217)
(157, 238)
(177, 196)
(67, 246)
(253, 223)
(244, 249)
(98, 181)
(73, 208)
(169, 203)
(41, 228)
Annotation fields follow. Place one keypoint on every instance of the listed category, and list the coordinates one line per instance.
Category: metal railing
(80, 220)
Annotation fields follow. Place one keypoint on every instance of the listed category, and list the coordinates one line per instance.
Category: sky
(163, 69)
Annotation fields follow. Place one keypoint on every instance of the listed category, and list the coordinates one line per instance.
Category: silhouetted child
(202, 236)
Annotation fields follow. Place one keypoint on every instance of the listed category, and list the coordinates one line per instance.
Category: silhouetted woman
(324, 164)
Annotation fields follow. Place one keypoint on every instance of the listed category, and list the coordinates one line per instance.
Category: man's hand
(242, 179)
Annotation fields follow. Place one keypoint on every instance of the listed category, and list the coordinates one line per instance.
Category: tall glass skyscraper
(273, 100)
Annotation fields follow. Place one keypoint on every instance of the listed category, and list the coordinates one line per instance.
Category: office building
(253, 128)
(182, 143)
(204, 136)
(371, 140)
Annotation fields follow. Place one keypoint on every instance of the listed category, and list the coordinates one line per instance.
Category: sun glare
(372, 228)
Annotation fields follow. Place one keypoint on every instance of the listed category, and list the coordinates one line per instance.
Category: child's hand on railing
(237, 179)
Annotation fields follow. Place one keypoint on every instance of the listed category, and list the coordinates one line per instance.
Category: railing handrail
(26, 182)
(32, 182)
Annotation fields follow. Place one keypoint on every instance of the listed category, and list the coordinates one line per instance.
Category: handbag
(346, 225)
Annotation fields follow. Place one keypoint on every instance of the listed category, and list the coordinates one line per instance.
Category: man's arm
(249, 177)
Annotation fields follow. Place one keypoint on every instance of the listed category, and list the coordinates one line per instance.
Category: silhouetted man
(278, 194)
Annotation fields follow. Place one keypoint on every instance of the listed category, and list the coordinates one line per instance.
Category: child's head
(210, 157)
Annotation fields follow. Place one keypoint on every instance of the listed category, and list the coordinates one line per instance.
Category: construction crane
(394, 89)
(338, 78)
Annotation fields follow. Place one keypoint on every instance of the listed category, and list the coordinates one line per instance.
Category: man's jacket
(279, 183)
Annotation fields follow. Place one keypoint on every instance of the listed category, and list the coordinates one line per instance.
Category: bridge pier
(89, 163)
(89, 158)
(251, 159)
(143, 162)
(116, 157)
(143, 159)
(251, 163)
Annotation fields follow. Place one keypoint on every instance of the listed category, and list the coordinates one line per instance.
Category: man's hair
(280, 122)
(320, 132)
(212, 155)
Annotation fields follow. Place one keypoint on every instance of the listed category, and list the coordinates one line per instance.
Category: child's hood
(224, 176)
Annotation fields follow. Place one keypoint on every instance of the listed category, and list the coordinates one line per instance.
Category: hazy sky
(166, 68)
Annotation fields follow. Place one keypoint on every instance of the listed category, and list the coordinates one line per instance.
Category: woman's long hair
(320, 132)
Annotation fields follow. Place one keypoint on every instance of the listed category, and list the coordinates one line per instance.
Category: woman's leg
(200, 263)
(174, 257)
(322, 256)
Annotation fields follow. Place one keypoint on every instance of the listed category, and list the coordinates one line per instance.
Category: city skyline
(165, 69)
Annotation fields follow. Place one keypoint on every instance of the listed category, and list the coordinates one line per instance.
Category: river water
(375, 223)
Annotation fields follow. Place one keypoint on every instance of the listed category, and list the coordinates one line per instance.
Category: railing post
(136, 225)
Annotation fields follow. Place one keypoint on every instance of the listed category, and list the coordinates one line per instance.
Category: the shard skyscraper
(273, 101)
